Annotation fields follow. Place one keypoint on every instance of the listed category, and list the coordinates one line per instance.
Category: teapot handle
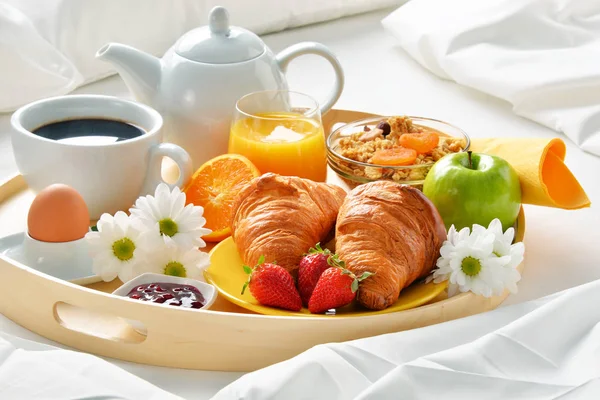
(296, 50)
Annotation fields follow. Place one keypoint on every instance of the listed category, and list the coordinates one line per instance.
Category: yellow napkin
(545, 179)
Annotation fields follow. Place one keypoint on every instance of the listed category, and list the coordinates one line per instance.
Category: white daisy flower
(165, 214)
(448, 247)
(467, 261)
(503, 243)
(170, 259)
(503, 246)
(454, 237)
(114, 247)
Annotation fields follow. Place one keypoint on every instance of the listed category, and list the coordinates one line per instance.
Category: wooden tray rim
(16, 183)
(229, 341)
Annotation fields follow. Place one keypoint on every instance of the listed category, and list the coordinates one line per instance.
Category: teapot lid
(219, 43)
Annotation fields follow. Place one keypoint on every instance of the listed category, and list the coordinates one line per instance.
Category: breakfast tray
(224, 338)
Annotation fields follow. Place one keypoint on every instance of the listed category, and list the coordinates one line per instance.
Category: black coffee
(89, 131)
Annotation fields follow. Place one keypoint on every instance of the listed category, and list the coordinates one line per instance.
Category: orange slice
(421, 142)
(214, 186)
(394, 156)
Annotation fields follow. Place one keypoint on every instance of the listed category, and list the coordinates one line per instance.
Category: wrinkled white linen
(47, 47)
(539, 55)
(29, 65)
(35, 371)
(542, 349)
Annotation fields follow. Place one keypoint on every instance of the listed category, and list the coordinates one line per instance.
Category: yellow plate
(227, 274)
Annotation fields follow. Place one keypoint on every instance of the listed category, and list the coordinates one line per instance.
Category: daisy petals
(497, 256)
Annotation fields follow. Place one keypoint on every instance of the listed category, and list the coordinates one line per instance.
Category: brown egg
(58, 214)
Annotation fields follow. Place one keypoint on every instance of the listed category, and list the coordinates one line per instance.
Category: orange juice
(281, 142)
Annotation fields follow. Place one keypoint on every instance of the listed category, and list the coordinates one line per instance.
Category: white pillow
(47, 47)
(542, 56)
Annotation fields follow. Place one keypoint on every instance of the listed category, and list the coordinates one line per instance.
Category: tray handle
(100, 325)
(71, 314)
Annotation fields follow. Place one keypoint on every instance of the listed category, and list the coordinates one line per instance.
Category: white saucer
(78, 271)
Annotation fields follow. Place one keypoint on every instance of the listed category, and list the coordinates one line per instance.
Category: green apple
(470, 188)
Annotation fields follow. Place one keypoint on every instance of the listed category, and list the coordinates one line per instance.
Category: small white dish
(209, 292)
(69, 261)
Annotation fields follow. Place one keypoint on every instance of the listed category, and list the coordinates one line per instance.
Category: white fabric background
(540, 350)
(35, 371)
(543, 56)
(47, 47)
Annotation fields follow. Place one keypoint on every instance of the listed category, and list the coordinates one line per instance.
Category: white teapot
(197, 82)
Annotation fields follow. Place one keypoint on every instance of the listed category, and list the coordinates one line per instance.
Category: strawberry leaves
(333, 260)
(356, 280)
(248, 270)
(318, 249)
(246, 284)
(361, 278)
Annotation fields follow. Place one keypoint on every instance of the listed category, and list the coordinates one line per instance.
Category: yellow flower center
(168, 227)
(175, 268)
(123, 249)
(470, 266)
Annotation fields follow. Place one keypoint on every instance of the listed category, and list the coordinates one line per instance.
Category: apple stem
(470, 161)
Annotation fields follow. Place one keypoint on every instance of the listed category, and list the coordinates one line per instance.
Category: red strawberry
(312, 265)
(336, 288)
(271, 285)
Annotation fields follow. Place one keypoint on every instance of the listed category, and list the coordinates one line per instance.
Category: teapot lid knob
(218, 21)
(219, 42)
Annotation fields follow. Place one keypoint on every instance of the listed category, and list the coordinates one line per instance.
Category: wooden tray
(225, 338)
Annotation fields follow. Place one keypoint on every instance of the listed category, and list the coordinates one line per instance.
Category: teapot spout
(140, 71)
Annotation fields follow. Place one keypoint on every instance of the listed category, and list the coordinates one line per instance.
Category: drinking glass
(280, 132)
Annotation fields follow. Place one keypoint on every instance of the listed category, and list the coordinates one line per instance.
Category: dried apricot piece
(394, 156)
(421, 142)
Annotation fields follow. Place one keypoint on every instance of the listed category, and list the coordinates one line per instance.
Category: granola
(363, 146)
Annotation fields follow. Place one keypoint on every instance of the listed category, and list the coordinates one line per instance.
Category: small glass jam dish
(170, 291)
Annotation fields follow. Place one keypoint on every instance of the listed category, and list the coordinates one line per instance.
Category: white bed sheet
(30, 370)
(522, 352)
(540, 55)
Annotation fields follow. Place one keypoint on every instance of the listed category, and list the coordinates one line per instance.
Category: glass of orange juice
(280, 132)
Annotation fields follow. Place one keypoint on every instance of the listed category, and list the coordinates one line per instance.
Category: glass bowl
(355, 172)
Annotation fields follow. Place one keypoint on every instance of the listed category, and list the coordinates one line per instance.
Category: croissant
(282, 217)
(391, 230)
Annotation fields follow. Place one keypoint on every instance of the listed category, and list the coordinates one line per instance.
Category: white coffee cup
(110, 176)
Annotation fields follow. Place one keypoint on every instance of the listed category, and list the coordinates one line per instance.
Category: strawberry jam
(172, 294)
